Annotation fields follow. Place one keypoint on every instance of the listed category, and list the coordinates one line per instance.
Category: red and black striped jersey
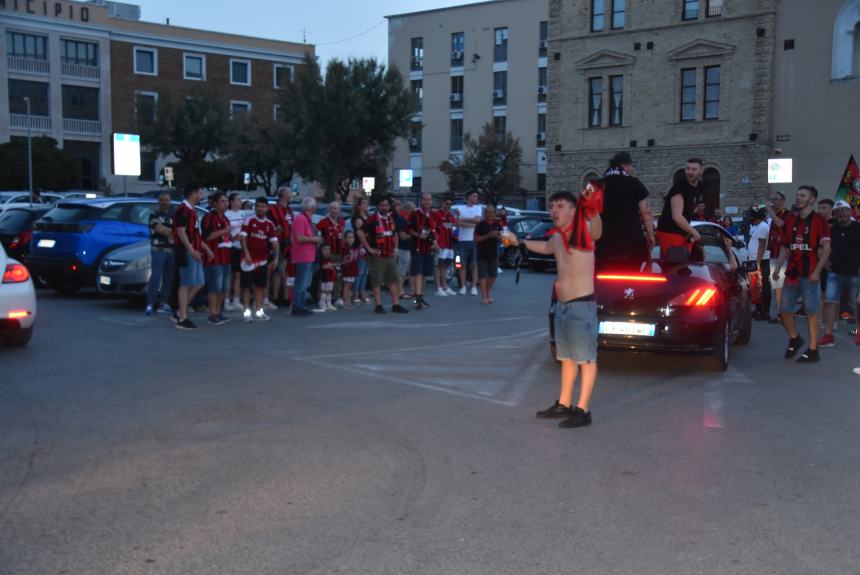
(419, 222)
(444, 229)
(214, 222)
(803, 237)
(332, 232)
(381, 234)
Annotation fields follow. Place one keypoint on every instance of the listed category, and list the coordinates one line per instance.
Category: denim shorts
(468, 252)
(837, 283)
(218, 279)
(191, 274)
(808, 291)
(576, 331)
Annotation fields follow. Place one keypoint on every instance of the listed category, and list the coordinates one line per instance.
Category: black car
(519, 226)
(697, 303)
(540, 232)
(16, 229)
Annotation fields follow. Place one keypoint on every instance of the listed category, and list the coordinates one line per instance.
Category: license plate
(104, 280)
(47, 243)
(627, 328)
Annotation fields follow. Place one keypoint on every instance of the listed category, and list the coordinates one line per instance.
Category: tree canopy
(53, 168)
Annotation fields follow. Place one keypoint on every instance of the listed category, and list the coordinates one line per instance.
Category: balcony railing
(82, 127)
(28, 65)
(81, 71)
(37, 123)
(691, 14)
(715, 10)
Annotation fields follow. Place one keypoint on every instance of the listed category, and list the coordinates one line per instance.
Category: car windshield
(15, 220)
(70, 213)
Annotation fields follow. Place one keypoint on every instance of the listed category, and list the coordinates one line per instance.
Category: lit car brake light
(632, 278)
(18, 314)
(698, 297)
(15, 274)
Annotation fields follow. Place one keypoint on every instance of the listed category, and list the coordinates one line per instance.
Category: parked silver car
(125, 271)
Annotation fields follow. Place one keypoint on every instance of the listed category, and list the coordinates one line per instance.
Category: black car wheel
(719, 361)
(18, 338)
(509, 257)
(746, 327)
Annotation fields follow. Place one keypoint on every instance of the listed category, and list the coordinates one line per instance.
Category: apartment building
(467, 66)
(664, 80)
(89, 68)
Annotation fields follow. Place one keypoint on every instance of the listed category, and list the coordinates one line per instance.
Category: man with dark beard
(625, 211)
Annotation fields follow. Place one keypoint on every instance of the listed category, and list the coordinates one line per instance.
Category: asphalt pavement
(354, 443)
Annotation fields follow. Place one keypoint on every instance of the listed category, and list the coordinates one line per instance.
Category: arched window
(846, 38)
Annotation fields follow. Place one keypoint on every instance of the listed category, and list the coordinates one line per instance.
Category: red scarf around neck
(576, 234)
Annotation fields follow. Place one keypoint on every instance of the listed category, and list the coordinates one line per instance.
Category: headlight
(141, 264)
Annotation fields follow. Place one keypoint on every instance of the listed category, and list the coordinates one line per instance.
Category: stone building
(664, 80)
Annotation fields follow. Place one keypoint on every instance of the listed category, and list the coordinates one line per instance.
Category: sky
(339, 28)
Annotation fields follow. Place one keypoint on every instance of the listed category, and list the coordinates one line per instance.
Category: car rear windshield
(540, 230)
(72, 213)
(15, 220)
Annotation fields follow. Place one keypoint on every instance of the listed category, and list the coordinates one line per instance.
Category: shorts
(838, 283)
(383, 271)
(468, 252)
(327, 287)
(191, 274)
(446, 256)
(422, 264)
(349, 279)
(218, 279)
(488, 268)
(780, 281)
(808, 291)
(235, 260)
(404, 262)
(258, 278)
(576, 331)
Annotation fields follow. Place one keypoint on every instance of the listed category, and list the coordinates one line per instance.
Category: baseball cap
(841, 204)
(621, 158)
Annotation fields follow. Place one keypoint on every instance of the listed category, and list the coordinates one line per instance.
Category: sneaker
(246, 315)
(578, 418)
(164, 308)
(777, 319)
(463, 290)
(148, 310)
(356, 301)
(826, 341)
(321, 308)
(441, 293)
(330, 307)
(269, 306)
(556, 410)
(174, 317)
(449, 291)
(317, 310)
(228, 306)
(301, 312)
(809, 356)
(261, 315)
(474, 291)
(379, 309)
(186, 324)
(214, 321)
(857, 370)
(794, 346)
(423, 301)
(419, 305)
(760, 316)
(397, 308)
(406, 296)
(339, 302)
(223, 319)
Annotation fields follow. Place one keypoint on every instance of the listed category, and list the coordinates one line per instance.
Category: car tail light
(458, 264)
(15, 274)
(621, 277)
(702, 296)
(20, 240)
(18, 314)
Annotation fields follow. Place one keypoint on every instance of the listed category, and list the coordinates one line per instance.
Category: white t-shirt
(757, 232)
(476, 211)
(236, 219)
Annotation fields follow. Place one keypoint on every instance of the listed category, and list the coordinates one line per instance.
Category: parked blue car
(71, 239)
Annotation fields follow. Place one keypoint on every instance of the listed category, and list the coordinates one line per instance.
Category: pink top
(303, 253)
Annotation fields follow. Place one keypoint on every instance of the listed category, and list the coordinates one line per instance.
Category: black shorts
(259, 278)
(235, 260)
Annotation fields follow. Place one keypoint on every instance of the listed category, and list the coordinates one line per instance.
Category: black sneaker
(397, 308)
(379, 309)
(301, 312)
(794, 346)
(423, 301)
(809, 356)
(578, 418)
(760, 316)
(223, 319)
(419, 305)
(215, 321)
(186, 324)
(175, 317)
(556, 410)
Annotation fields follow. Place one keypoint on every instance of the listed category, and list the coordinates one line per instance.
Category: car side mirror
(749, 266)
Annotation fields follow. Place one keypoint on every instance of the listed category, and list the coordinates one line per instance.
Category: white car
(17, 302)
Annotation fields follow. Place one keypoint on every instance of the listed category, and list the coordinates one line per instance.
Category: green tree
(490, 165)
(345, 122)
(53, 168)
(259, 144)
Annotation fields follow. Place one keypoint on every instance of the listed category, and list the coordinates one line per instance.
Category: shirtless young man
(576, 311)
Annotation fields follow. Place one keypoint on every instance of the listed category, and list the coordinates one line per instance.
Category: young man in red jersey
(420, 228)
(190, 253)
(216, 235)
(444, 232)
(259, 258)
(282, 216)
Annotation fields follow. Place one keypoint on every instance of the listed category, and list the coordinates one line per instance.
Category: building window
(240, 72)
(415, 138)
(418, 93)
(37, 92)
(688, 95)
(500, 88)
(616, 100)
(79, 53)
(712, 93)
(458, 48)
(457, 135)
(417, 54)
(541, 133)
(456, 92)
(238, 107)
(855, 66)
(595, 102)
(846, 42)
(500, 127)
(278, 113)
(194, 67)
(80, 103)
(690, 10)
(542, 88)
(146, 61)
(543, 34)
(31, 46)
(715, 8)
(598, 15)
(147, 166)
(145, 106)
(283, 75)
(500, 45)
(618, 8)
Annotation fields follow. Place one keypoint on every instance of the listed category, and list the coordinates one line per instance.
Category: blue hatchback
(70, 240)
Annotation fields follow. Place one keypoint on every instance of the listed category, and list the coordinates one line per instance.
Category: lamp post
(29, 149)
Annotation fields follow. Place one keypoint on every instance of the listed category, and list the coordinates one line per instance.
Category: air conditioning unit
(541, 136)
(498, 94)
(544, 44)
(456, 97)
(541, 89)
(456, 55)
(414, 142)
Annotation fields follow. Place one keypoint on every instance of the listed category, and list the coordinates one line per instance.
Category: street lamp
(29, 149)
